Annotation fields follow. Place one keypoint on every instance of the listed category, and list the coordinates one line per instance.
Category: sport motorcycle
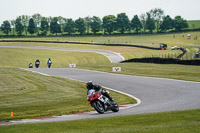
(100, 102)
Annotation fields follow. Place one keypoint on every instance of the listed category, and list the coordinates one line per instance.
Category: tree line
(154, 20)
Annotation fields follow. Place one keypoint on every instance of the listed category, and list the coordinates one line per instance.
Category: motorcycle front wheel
(98, 106)
(115, 108)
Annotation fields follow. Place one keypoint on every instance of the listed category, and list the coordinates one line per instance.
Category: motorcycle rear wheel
(98, 106)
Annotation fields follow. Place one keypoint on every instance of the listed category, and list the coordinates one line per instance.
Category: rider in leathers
(90, 85)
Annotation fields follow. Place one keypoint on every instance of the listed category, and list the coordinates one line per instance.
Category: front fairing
(93, 95)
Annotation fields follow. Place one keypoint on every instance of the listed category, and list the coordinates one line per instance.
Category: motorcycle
(100, 102)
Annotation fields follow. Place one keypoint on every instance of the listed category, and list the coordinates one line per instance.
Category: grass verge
(167, 122)
(31, 95)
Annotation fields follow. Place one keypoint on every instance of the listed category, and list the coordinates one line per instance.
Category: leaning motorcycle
(100, 102)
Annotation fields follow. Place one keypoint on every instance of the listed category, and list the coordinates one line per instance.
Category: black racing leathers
(104, 92)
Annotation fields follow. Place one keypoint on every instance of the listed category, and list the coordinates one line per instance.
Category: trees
(31, 26)
(180, 23)
(12, 22)
(49, 19)
(150, 23)
(143, 18)
(62, 22)
(87, 21)
(44, 26)
(5, 27)
(80, 25)
(54, 26)
(95, 24)
(136, 24)
(70, 26)
(109, 23)
(150, 20)
(25, 22)
(167, 23)
(157, 14)
(123, 22)
(18, 26)
(37, 19)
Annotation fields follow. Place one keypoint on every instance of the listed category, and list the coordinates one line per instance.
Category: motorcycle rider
(49, 62)
(37, 63)
(90, 85)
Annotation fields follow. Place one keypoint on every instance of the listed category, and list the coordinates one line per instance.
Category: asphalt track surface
(113, 57)
(156, 94)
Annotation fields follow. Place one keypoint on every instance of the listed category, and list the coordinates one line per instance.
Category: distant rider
(90, 85)
(37, 63)
(30, 65)
(49, 62)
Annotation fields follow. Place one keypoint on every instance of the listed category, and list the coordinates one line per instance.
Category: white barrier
(72, 65)
(116, 69)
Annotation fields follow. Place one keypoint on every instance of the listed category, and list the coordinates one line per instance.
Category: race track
(156, 94)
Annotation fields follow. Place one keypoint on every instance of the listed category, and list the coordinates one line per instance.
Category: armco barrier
(164, 61)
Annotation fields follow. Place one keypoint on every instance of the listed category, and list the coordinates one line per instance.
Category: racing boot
(111, 99)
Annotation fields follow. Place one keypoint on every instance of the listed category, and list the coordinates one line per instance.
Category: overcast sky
(10, 9)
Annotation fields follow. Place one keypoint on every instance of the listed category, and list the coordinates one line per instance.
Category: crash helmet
(89, 85)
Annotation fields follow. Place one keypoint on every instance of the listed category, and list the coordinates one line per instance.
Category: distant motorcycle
(100, 102)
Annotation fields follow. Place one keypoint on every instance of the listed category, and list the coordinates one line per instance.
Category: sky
(10, 9)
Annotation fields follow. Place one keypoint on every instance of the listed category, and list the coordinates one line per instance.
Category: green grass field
(168, 122)
(194, 24)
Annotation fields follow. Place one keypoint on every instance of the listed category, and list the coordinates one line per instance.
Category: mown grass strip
(167, 122)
